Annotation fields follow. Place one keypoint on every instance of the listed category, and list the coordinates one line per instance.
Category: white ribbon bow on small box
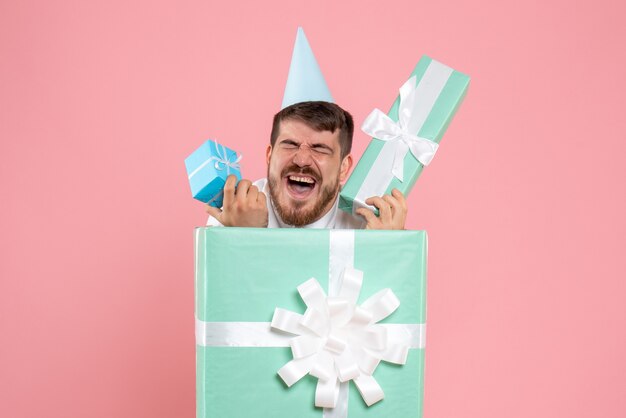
(222, 161)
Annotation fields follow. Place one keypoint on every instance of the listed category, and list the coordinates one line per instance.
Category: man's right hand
(243, 206)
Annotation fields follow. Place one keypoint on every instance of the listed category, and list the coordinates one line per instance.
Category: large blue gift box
(273, 343)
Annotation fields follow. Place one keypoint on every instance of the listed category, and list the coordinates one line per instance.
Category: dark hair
(319, 116)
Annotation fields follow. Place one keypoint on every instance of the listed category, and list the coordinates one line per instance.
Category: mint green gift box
(242, 274)
(439, 92)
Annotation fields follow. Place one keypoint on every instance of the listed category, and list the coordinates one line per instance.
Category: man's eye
(289, 145)
(322, 150)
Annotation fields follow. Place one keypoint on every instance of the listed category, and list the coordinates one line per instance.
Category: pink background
(524, 204)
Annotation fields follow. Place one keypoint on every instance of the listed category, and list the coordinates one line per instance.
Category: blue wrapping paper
(207, 170)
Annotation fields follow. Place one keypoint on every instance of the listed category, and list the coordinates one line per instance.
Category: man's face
(305, 170)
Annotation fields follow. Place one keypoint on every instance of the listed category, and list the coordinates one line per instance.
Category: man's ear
(346, 164)
(268, 154)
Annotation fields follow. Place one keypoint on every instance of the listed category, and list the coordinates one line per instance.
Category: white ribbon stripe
(221, 161)
(338, 341)
(259, 334)
(238, 334)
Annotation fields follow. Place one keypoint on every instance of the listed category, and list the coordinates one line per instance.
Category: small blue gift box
(207, 169)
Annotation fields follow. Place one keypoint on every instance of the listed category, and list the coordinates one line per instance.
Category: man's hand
(243, 206)
(392, 211)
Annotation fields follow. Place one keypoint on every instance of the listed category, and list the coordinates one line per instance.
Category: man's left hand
(392, 211)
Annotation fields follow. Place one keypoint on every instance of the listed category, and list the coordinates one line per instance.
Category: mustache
(294, 169)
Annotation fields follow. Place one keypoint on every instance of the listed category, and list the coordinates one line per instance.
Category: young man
(307, 161)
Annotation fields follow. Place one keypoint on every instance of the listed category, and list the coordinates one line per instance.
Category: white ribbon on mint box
(350, 349)
(416, 102)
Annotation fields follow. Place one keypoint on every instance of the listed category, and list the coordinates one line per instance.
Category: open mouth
(300, 186)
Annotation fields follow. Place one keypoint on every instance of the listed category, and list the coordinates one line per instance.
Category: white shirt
(334, 219)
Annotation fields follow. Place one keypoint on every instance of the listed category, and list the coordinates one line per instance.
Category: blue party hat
(305, 81)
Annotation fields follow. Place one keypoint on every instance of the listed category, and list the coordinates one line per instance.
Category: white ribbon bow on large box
(338, 340)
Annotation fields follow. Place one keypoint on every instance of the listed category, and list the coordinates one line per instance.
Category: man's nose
(302, 157)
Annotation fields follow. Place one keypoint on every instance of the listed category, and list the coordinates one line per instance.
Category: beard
(293, 213)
